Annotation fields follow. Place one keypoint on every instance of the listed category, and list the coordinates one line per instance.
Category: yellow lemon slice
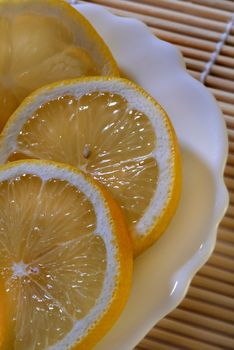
(66, 259)
(43, 41)
(113, 130)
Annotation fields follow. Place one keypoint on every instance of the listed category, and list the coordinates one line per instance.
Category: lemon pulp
(101, 135)
(52, 264)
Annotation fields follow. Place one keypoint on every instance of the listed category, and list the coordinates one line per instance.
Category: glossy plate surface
(163, 273)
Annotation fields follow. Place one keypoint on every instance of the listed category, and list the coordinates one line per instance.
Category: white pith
(103, 229)
(162, 152)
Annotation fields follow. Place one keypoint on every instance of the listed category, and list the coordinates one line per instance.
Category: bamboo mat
(204, 31)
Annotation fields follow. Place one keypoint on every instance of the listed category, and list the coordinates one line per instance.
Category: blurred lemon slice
(43, 41)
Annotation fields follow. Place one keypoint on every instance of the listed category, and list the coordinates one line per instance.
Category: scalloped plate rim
(189, 269)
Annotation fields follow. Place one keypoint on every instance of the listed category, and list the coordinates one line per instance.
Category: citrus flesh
(114, 131)
(63, 258)
(43, 42)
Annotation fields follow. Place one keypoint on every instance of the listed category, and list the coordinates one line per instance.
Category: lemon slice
(66, 259)
(43, 41)
(113, 130)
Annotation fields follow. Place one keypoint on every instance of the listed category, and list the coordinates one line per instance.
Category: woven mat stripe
(204, 39)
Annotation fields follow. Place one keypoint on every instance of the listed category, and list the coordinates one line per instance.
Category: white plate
(163, 273)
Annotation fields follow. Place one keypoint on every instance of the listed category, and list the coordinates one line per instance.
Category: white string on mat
(218, 48)
(214, 54)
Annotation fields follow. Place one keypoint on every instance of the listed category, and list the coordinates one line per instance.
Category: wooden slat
(183, 39)
(229, 121)
(165, 33)
(220, 83)
(230, 160)
(149, 16)
(194, 64)
(224, 72)
(231, 194)
(203, 55)
(227, 221)
(214, 339)
(229, 171)
(158, 12)
(227, 236)
(180, 341)
(231, 134)
(218, 273)
(223, 96)
(208, 283)
(211, 297)
(223, 5)
(229, 183)
(189, 8)
(225, 249)
(202, 321)
(210, 310)
(161, 345)
(228, 50)
(225, 61)
(219, 259)
(230, 211)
